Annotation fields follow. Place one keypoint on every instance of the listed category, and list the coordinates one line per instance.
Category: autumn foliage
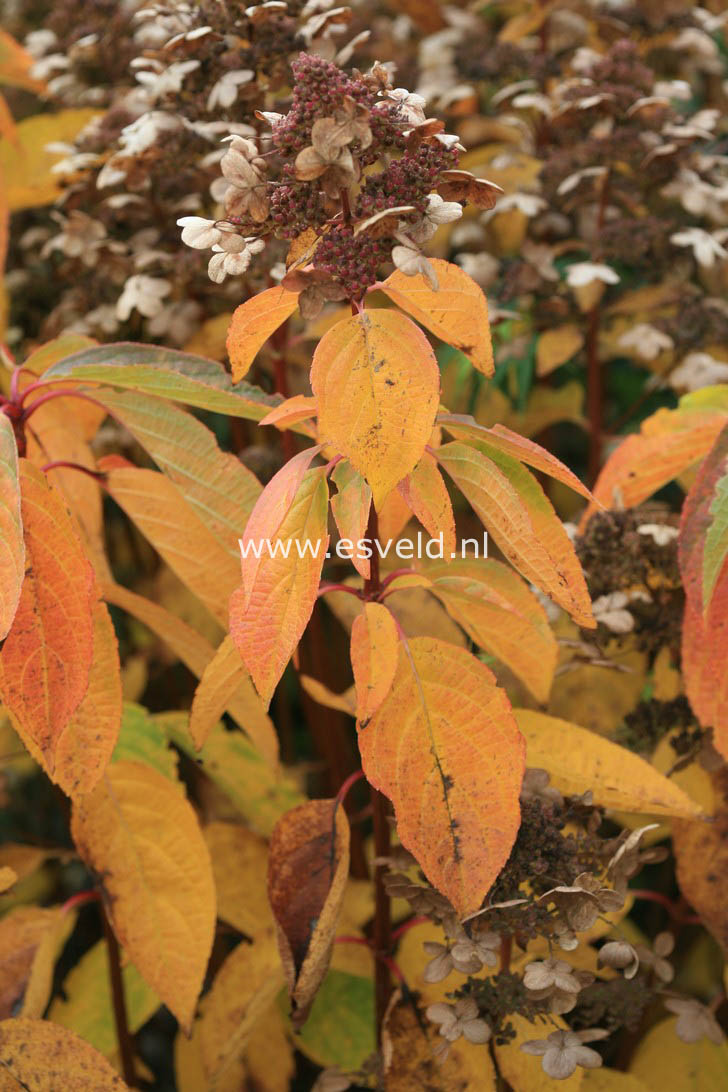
(283, 816)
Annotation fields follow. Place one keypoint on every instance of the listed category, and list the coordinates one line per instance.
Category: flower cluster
(354, 170)
(108, 261)
(564, 886)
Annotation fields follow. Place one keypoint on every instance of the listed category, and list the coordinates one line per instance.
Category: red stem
(407, 925)
(65, 464)
(49, 398)
(351, 780)
(340, 587)
(80, 899)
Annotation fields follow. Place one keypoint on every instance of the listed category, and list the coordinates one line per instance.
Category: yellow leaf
(27, 169)
(342, 703)
(611, 1080)
(242, 991)
(210, 339)
(299, 408)
(225, 684)
(445, 748)
(350, 507)
(557, 346)
(139, 834)
(37, 1055)
(12, 547)
(426, 494)
(187, 544)
(308, 868)
(281, 599)
(519, 516)
(269, 1054)
(524, 1071)
(418, 613)
(30, 942)
(377, 383)
(86, 744)
(701, 852)
(456, 312)
(662, 1061)
(501, 614)
(578, 760)
(8, 877)
(46, 657)
(374, 649)
(239, 865)
(252, 324)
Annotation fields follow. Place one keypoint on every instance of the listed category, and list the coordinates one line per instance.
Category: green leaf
(260, 794)
(340, 1027)
(87, 1005)
(167, 373)
(142, 739)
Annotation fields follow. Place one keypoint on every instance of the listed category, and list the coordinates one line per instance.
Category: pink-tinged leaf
(425, 493)
(671, 441)
(374, 650)
(351, 506)
(445, 748)
(522, 521)
(252, 324)
(267, 622)
(377, 383)
(704, 569)
(456, 312)
(46, 657)
(299, 408)
(12, 547)
(271, 508)
(510, 443)
(500, 613)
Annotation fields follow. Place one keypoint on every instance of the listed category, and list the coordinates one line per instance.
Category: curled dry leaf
(464, 186)
(307, 872)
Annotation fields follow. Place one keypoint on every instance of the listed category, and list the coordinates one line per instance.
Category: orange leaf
(86, 744)
(350, 508)
(15, 65)
(253, 323)
(299, 408)
(426, 494)
(445, 748)
(271, 508)
(670, 442)
(376, 380)
(45, 661)
(308, 866)
(500, 614)
(374, 649)
(500, 438)
(701, 853)
(519, 516)
(12, 547)
(268, 628)
(45, 1057)
(139, 834)
(457, 312)
(226, 684)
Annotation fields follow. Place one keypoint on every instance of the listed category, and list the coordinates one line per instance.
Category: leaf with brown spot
(377, 383)
(374, 649)
(409, 1041)
(47, 654)
(445, 748)
(30, 941)
(457, 312)
(140, 835)
(43, 1057)
(252, 324)
(12, 547)
(307, 872)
